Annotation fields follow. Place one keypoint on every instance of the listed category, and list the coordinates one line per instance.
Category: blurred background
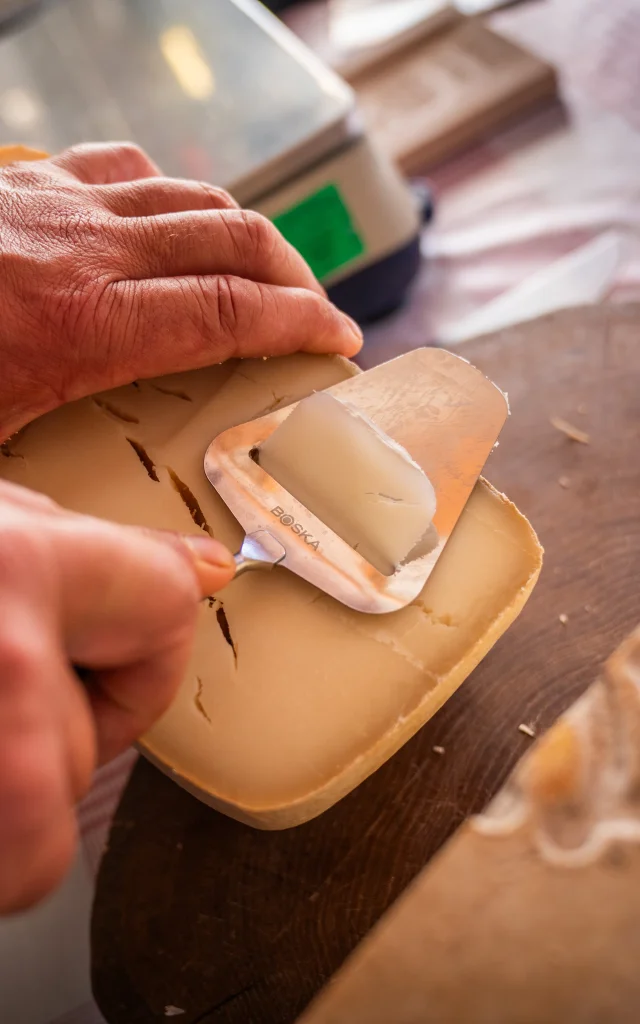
(447, 167)
(444, 161)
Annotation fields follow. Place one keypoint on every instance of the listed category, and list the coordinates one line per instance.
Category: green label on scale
(321, 229)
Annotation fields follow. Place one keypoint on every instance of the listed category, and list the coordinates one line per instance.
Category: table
(198, 912)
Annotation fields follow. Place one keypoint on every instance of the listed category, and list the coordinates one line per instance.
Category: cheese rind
(309, 697)
(360, 483)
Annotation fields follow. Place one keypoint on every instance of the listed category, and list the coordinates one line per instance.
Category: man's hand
(110, 272)
(115, 601)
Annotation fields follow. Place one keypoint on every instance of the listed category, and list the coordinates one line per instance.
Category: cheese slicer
(445, 417)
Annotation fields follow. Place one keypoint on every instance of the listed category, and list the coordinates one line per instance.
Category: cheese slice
(290, 699)
(349, 474)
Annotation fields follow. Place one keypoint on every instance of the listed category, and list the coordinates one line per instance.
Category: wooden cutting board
(196, 911)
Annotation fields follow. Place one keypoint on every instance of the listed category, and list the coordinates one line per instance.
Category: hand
(110, 272)
(117, 601)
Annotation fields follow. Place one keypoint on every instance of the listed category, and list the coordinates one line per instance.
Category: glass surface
(210, 88)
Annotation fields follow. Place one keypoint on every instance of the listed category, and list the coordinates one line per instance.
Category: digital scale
(220, 90)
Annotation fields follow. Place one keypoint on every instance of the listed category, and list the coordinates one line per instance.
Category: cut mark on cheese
(190, 500)
(197, 700)
(172, 392)
(145, 459)
(275, 404)
(211, 601)
(277, 401)
(245, 376)
(112, 410)
(438, 620)
(386, 636)
(223, 622)
(442, 620)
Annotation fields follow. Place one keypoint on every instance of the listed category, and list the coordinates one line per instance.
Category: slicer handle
(259, 550)
(249, 564)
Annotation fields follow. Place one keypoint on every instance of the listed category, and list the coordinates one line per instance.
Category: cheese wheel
(13, 154)
(291, 699)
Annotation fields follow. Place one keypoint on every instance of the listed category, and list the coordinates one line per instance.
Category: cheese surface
(354, 478)
(290, 699)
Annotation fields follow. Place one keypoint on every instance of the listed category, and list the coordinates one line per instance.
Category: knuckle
(73, 310)
(79, 149)
(134, 158)
(119, 159)
(217, 197)
(257, 233)
(227, 306)
(125, 150)
(131, 150)
(20, 659)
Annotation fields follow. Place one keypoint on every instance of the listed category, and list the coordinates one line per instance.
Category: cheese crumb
(438, 750)
(526, 730)
(173, 1011)
(573, 433)
(563, 618)
(565, 482)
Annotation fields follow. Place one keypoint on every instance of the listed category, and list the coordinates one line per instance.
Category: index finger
(129, 600)
(168, 325)
(236, 242)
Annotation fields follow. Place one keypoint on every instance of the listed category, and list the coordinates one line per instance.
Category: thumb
(128, 615)
(211, 561)
(128, 591)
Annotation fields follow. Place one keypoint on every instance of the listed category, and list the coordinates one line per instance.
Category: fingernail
(211, 551)
(356, 330)
(209, 555)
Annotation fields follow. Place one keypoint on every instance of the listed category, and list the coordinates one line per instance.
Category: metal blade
(442, 410)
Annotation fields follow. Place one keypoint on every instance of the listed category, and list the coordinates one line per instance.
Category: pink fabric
(96, 811)
(535, 192)
(600, 40)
